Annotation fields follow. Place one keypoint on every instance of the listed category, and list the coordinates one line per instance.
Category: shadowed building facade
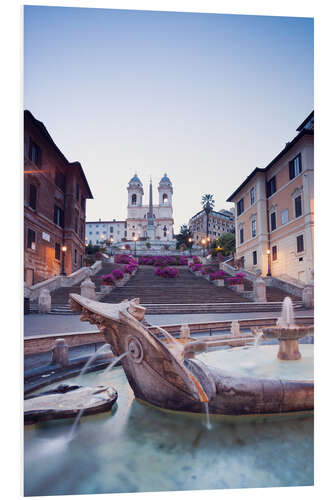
(55, 194)
(274, 210)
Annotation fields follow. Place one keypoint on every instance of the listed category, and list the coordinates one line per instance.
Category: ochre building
(274, 211)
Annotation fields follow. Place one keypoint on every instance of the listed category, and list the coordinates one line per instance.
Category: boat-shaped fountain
(166, 373)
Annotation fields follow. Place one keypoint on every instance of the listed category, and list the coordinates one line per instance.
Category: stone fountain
(287, 333)
(165, 373)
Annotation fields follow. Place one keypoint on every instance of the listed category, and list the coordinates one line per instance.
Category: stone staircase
(185, 294)
(60, 297)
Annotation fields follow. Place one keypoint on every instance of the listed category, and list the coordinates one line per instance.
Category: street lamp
(268, 262)
(63, 250)
(135, 240)
(203, 243)
(190, 242)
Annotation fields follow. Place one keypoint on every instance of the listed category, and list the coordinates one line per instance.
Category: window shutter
(300, 163)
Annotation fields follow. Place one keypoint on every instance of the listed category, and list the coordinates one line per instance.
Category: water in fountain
(91, 359)
(79, 415)
(287, 319)
(208, 424)
(177, 349)
(113, 362)
(258, 339)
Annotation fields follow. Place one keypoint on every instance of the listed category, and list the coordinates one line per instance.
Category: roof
(106, 222)
(40, 125)
(288, 146)
(135, 179)
(307, 119)
(165, 178)
(213, 212)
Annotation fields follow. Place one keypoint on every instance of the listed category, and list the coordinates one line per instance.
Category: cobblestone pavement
(46, 324)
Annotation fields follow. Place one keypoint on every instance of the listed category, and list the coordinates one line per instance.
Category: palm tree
(207, 202)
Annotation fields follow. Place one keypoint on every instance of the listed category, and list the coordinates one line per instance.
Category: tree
(226, 244)
(183, 237)
(208, 203)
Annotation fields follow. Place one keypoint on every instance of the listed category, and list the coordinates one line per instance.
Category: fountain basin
(288, 340)
(163, 377)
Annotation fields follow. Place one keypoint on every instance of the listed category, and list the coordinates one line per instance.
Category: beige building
(218, 223)
(274, 211)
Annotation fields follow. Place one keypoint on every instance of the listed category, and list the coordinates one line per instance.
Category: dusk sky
(205, 98)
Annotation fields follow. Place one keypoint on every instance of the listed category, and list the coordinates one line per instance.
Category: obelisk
(151, 226)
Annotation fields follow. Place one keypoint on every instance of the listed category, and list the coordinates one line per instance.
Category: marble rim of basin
(165, 378)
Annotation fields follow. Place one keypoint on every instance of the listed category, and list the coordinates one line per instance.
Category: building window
(254, 257)
(295, 167)
(77, 192)
(32, 196)
(31, 239)
(271, 186)
(300, 243)
(57, 251)
(81, 260)
(298, 206)
(254, 228)
(76, 222)
(83, 202)
(111, 229)
(273, 221)
(284, 216)
(35, 153)
(252, 196)
(75, 256)
(241, 235)
(58, 216)
(240, 206)
(133, 199)
(274, 253)
(60, 180)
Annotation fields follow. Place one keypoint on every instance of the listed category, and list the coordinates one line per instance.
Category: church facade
(154, 222)
(145, 221)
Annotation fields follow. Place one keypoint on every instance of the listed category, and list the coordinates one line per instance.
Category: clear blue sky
(203, 97)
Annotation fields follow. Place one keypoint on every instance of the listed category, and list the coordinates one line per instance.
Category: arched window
(133, 199)
(165, 199)
(164, 231)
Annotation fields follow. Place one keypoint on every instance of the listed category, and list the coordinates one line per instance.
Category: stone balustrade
(58, 281)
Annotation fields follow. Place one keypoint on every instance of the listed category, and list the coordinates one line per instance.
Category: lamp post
(63, 250)
(203, 243)
(135, 239)
(268, 262)
(190, 242)
(110, 241)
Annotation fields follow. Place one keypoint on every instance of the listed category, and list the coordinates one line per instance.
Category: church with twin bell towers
(154, 222)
